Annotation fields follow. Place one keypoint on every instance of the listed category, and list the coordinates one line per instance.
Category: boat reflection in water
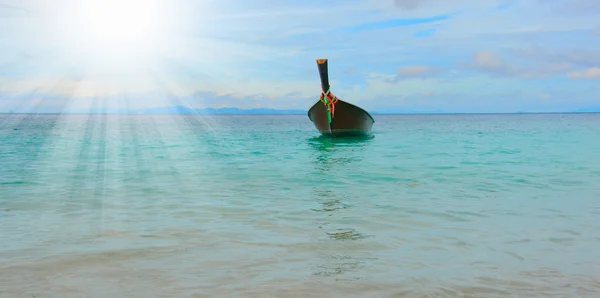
(337, 206)
(338, 152)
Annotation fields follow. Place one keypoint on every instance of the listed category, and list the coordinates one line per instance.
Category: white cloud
(490, 61)
(589, 73)
(414, 70)
(527, 67)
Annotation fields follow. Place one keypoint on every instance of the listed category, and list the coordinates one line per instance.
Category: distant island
(170, 110)
(588, 110)
(187, 110)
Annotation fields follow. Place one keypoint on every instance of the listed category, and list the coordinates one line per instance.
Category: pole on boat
(323, 73)
(326, 97)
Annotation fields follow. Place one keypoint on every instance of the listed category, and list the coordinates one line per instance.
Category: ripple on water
(190, 206)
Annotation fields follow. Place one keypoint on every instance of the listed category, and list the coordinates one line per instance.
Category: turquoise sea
(260, 206)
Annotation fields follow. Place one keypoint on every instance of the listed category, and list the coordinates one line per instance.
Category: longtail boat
(334, 117)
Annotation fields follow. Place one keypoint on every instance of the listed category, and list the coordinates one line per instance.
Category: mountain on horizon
(179, 109)
(587, 110)
(187, 110)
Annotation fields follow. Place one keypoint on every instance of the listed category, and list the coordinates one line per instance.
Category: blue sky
(384, 55)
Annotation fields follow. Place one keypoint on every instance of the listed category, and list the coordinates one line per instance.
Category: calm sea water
(259, 206)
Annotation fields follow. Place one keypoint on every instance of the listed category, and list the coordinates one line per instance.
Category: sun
(119, 21)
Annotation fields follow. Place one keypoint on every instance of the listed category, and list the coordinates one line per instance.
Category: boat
(334, 117)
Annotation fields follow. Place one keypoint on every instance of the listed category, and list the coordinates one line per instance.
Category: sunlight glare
(118, 21)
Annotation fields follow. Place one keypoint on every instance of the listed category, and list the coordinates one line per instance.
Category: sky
(453, 56)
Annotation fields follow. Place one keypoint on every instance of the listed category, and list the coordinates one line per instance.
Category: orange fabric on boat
(329, 100)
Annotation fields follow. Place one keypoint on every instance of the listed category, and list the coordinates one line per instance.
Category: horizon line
(288, 114)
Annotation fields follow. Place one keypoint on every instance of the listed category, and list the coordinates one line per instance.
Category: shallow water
(259, 206)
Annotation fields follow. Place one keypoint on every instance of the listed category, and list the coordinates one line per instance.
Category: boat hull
(348, 120)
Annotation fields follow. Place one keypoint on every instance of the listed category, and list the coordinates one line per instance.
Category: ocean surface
(260, 206)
